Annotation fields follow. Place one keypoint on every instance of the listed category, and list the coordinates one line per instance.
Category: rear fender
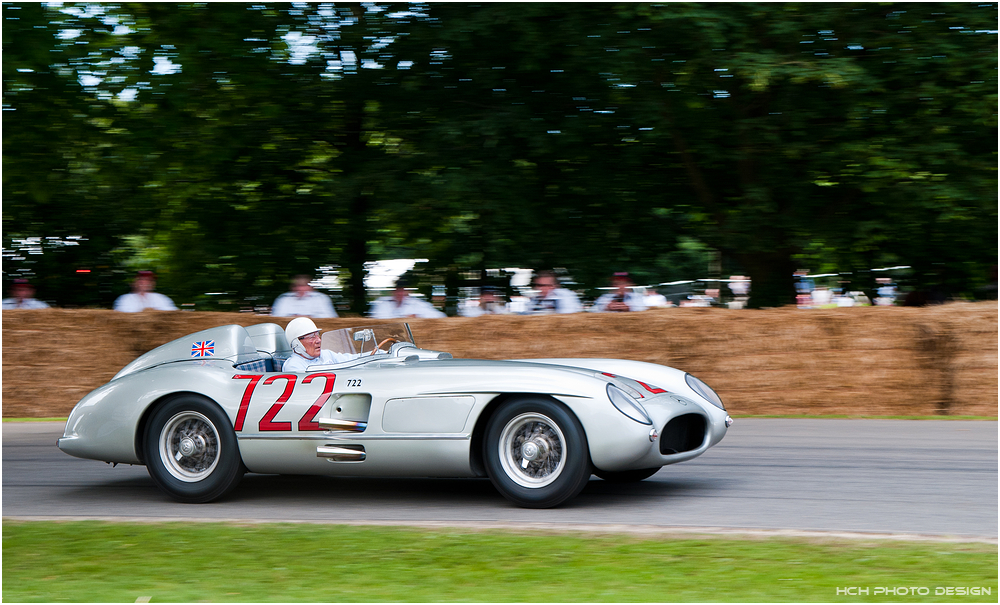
(140, 430)
(108, 423)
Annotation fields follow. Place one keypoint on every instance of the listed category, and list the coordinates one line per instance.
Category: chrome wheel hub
(532, 450)
(189, 446)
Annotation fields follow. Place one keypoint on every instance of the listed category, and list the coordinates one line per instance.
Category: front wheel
(190, 450)
(536, 452)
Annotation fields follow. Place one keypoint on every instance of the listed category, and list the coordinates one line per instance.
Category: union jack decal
(205, 348)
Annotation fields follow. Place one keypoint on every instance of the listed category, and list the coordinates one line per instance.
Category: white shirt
(300, 363)
(134, 302)
(739, 288)
(821, 297)
(26, 303)
(495, 308)
(559, 300)
(635, 301)
(313, 304)
(656, 300)
(386, 308)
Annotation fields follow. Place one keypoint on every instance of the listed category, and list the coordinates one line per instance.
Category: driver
(305, 340)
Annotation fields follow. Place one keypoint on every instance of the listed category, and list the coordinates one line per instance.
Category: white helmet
(300, 326)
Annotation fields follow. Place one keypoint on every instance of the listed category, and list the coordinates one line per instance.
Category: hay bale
(855, 361)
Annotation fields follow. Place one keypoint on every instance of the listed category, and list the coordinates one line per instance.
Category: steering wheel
(376, 349)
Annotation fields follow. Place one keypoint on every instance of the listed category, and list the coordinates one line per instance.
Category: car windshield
(364, 339)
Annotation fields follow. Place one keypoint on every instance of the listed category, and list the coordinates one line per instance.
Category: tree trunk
(772, 283)
(357, 252)
(451, 284)
(357, 234)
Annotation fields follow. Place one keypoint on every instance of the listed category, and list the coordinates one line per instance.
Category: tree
(231, 146)
(65, 183)
(857, 126)
(250, 145)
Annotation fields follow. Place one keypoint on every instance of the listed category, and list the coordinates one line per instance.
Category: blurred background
(229, 147)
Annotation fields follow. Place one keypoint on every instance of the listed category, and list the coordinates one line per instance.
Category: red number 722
(308, 420)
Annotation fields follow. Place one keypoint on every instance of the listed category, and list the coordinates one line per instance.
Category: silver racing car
(202, 410)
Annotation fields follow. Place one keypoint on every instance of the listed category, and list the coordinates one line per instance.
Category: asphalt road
(918, 478)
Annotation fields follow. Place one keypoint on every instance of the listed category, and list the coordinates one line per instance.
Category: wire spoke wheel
(190, 449)
(189, 446)
(532, 450)
(535, 452)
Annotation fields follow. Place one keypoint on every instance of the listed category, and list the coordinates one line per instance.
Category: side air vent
(683, 434)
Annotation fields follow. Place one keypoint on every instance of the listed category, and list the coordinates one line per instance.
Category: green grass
(91, 562)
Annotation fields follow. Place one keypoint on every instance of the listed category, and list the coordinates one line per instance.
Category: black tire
(190, 450)
(536, 452)
(626, 476)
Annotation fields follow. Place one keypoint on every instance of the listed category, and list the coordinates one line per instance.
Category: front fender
(618, 443)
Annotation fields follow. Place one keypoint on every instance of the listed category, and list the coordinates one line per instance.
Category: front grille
(683, 434)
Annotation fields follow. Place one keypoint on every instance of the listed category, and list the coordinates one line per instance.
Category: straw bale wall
(866, 361)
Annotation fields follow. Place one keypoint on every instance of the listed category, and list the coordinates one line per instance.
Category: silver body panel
(393, 416)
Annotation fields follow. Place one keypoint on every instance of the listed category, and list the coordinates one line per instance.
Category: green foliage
(231, 146)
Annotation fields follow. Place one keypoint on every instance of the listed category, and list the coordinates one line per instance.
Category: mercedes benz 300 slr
(202, 410)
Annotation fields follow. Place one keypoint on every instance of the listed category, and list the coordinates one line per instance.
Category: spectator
(886, 292)
(489, 304)
(844, 299)
(739, 285)
(401, 304)
(656, 300)
(552, 298)
(804, 285)
(306, 342)
(821, 296)
(302, 300)
(622, 298)
(23, 297)
(142, 296)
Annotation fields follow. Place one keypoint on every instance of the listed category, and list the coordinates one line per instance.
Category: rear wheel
(536, 452)
(190, 450)
(626, 476)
